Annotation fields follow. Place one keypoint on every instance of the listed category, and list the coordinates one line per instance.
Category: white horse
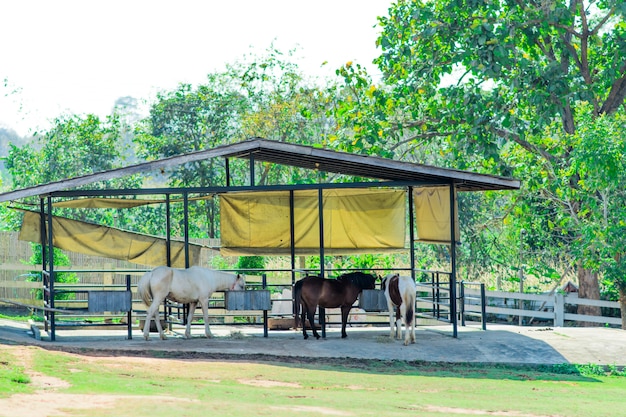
(186, 286)
(400, 294)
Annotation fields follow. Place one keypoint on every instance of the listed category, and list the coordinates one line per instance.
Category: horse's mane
(360, 279)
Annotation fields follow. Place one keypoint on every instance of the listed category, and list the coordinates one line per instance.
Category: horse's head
(240, 283)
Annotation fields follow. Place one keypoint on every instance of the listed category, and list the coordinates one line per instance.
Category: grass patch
(325, 386)
(13, 378)
(20, 318)
(237, 334)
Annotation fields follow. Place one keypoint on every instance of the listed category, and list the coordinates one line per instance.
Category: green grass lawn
(165, 387)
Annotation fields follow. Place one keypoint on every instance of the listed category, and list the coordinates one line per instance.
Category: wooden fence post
(559, 310)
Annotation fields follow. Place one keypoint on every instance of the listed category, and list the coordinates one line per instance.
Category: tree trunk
(588, 288)
(622, 304)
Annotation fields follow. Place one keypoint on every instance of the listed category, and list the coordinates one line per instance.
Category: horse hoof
(317, 337)
(163, 337)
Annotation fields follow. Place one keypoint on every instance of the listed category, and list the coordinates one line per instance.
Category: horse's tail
(143, 288)
(410, 311)
(297, 296)
(410, 303)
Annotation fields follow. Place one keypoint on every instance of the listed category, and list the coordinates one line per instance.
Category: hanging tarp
(432, 214)
(355, 221)
(108, 242)
(117, 203)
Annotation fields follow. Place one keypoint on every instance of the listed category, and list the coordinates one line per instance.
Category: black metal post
(186, 226)
(168, 253)
(168, 231)
(129, 315)
(292, 237)
(51, 271)
(186, 307)
(252, 170)
(483, 306)
(453, 312)
(45, 278)
(265, 324)
(227, 169)
(320, 204)
(462, 302)
(411, 232)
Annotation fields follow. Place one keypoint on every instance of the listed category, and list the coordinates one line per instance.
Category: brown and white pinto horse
(400, 295)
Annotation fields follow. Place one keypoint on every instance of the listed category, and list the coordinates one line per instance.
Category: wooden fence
(20, 281)
(556, 308)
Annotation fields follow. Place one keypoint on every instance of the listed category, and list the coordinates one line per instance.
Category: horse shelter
(360, 204)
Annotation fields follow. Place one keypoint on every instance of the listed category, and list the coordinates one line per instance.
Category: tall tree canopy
(509, 87)
(73, 146)
(259, 96)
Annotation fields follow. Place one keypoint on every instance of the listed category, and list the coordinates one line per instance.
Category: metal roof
(309, 157)
(367, 166)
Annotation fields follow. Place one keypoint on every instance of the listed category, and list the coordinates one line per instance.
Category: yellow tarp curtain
(355, 221)
(117, 203)
(93, 239)
(432, 214)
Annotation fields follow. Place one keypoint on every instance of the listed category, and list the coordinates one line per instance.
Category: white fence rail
(550, 307)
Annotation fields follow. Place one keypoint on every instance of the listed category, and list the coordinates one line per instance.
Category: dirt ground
(362, 348)
(47, 400)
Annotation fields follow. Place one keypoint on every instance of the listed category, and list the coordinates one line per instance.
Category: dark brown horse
(314, 291)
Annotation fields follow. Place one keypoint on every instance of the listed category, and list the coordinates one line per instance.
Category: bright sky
(76, 56)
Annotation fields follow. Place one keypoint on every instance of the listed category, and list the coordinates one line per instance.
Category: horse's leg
(391, 310)
(345, 312)
(157, 322)
(153, 311)
(405, 318)
(398, 323)
(205, 315)
(146, 326)
(303, 319)
(311, 314)
(192, 310)
(410, 318)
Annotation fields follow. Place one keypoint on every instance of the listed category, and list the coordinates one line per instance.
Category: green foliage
(259, 96)
(74, 146)
(60, 259)
(250, 265)
(364, 261)
(219, 262)
(13, 378)
(502, 88)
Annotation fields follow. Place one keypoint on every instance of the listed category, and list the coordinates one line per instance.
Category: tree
(260, 96)
(74, 146)
(191, 119)
(283, 105)
(479, 82)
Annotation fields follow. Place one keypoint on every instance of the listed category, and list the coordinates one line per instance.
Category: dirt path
(47, 400)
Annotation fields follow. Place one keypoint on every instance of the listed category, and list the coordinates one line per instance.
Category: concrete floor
(498, 344)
